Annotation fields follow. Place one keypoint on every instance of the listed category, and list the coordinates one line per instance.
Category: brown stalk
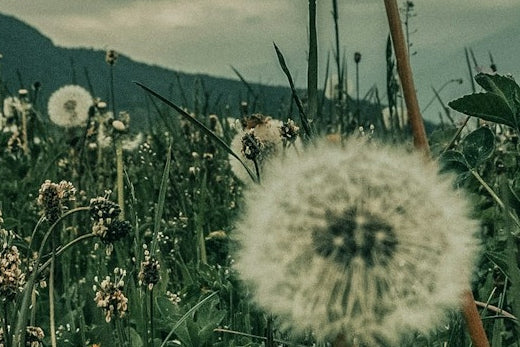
(469, 309)
(405, 75)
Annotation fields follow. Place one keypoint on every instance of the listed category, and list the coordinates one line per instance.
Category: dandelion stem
(473, 321)
(405, 74)
(469, 310)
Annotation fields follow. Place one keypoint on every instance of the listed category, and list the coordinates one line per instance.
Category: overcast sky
(208, 36)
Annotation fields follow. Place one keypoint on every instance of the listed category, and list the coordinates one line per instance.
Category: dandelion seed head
(368, 241)
(69, 106)
(259, 140)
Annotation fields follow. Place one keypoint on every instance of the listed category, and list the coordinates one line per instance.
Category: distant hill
(30, 57)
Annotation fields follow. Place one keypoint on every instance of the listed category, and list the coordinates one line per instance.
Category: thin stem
(312, 68)
(405, 74)
(21, 323)
(120, 176)
(5, 325)
(151, 316)
(120, 332)
(51, 293)
(64, 248)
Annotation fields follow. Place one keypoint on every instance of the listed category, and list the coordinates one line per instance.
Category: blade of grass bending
(199, 125)
(248, 86)
(446, 109)
(186, 315)
(160, 202)
(470, 70)
(303, 117)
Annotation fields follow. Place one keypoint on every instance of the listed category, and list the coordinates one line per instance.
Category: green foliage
(500, 103)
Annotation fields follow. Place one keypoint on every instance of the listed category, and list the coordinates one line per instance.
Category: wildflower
(366, 241)
(257, 142)
(289, 132)
(107, 226)
(149, 273)
(174, 298)
(52, 197)
(34, 336)
(12, 279)
(69, 106)
(111, 57)
(110, 296)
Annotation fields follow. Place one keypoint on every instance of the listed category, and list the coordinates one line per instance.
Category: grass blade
(199, 125)
(303, 116)
(186, 315)
(160, 201)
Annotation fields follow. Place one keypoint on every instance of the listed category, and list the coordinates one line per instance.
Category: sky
(210, 36)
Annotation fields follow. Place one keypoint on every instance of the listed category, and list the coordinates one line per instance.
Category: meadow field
(339, 222)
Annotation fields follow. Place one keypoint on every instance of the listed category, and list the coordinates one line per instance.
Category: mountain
(30, 57)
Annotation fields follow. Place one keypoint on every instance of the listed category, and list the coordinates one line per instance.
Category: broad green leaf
(487, 106)
(503, 86)
(454, 161)
(478, 146)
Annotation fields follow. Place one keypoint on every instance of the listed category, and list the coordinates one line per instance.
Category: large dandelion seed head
(69, 106)
(368, 241)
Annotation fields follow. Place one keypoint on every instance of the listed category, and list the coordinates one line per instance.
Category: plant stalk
(469, 309)
(312, 67)
(405, 75)
(120, 178)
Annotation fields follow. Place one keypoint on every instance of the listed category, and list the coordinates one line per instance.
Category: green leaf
(478, 146)
(487, 106)
(503, 86)
(454, 161)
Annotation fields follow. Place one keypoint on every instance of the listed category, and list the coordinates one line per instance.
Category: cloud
(209, 35)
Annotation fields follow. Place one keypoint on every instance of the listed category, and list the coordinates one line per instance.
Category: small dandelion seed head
(363, 240)
(259, 141)
(69, 106)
